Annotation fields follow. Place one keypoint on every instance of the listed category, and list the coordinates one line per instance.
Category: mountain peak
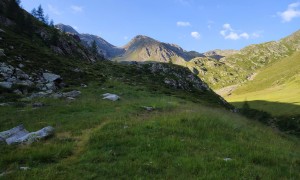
(66, 28)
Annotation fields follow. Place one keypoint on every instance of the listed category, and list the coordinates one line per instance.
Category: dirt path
(82, 141)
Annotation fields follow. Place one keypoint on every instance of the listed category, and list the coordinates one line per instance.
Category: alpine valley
(147, 110)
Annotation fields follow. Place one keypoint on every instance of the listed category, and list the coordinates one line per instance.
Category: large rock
(112, 97)
(19, 135)
(72, 94)
(51, 77)
(6, 85)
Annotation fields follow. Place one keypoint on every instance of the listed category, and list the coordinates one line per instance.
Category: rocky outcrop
(177, 77)
(14, 76)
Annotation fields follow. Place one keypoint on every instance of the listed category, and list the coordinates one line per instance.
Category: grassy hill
(278, 82)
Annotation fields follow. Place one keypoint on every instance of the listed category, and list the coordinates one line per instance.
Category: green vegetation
(275, 89)
(190, 134)
(97, 138)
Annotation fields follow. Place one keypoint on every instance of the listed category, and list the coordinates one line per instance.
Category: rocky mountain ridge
(140, 48)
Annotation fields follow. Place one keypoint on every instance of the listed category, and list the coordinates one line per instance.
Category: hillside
(278, 82)
(167, 123)
(240, 67)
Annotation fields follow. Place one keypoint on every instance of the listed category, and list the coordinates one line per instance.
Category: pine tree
(39, 14)
(33, 12)
(51, 24)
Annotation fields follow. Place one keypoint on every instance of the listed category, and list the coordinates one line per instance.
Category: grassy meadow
(180, 139)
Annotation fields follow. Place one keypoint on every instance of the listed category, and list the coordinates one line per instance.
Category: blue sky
(199, 25)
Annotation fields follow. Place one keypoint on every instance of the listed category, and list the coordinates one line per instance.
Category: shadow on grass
(274, 108)
(284, 116)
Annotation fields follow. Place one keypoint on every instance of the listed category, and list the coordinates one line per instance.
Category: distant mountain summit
(142, 48)
(66, 28)
(108, 50)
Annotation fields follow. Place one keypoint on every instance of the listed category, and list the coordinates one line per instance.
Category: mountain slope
(143, 48)
(277, 82)
(108, 50)
(240, 67)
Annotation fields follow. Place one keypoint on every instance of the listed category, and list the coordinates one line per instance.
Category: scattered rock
(227, 159)
(11, 47)
(38, 104)
(51, 77)
(57, 95)
(77, 70)
(24, 168)
(72, 94)
(17, 91)
(2, 31)
(6, 85)
(21, 65)
(4, 104)
(112, 97)
(19, 135)
(39, 95)
(148, 108)
(71, 99)
(2, 52)
(83, 85)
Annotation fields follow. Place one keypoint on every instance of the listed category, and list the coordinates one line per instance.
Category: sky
(199, 25)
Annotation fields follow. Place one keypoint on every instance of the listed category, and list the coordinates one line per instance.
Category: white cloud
(227, 27)
(232, 36)
(54, 10)
(245, 35)
(195, 35)
(293, 11)
(77, 9)
(229, 33)
(183, 24)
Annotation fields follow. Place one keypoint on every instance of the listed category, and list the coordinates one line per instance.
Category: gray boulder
(112, 97)
(51, 77)
(19, 135)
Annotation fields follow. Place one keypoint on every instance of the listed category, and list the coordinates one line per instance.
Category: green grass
(99, 139)
(276, 84)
